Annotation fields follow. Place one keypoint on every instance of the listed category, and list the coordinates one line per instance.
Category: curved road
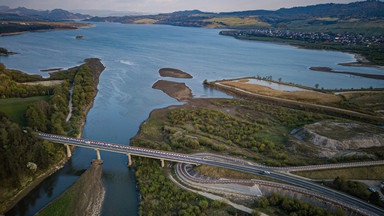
(360, 205)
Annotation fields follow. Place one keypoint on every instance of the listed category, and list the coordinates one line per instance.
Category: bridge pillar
(98, 154)
(129, 160)
(162, 162)
(69, 153)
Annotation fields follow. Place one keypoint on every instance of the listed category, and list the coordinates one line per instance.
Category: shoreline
(360, 60)
(55, 167)
(70, 26)
(330, 70)
(34, 183)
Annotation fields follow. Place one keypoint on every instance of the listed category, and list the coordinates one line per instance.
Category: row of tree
(356, 189)
(295, 207)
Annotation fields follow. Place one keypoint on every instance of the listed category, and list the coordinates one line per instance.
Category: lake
(133, 54)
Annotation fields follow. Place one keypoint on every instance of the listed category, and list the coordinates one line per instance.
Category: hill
(365, 16)
(362, 9)
(25, 14)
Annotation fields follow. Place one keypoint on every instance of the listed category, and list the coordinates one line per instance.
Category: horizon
(166, 6)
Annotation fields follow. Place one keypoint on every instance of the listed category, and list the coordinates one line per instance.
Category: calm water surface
(133, 54)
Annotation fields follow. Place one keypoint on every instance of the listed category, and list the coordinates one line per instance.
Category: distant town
(346, 38)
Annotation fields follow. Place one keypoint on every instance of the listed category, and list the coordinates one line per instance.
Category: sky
(164, 6)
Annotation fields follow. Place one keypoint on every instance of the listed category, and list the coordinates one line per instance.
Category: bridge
(128, 150)
(358, 205)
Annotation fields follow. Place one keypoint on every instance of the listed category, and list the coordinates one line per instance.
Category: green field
(15, 108)
(221, 22)
(375, 27)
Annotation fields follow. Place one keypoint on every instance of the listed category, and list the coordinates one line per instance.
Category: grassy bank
(362, 173)
(83, 197)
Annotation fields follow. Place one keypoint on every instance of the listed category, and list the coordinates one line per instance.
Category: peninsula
(57, 95)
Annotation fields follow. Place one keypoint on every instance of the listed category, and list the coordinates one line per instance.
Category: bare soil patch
(336, 138)
(51, 69)
(45, 83)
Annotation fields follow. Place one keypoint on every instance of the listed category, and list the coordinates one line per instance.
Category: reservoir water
(133, 54)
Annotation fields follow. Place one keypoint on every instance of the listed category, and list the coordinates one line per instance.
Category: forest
(160, 196)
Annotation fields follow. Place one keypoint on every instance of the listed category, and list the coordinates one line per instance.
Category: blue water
(133, 54)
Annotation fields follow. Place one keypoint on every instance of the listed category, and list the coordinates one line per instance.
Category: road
(183, 158)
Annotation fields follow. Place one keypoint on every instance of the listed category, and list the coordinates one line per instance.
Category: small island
(175, 73)
(80, 37)
(179, 91)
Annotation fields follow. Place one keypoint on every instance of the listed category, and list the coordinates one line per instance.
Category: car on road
(371, 189)
(265, 172)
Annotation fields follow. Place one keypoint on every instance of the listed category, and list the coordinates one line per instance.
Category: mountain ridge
(22, 13)
(361, 12)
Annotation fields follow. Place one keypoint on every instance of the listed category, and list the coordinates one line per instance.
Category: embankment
(84, 197)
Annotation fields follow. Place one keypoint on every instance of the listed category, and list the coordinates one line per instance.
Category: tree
(36, 119)
(317, 85)
(340, 212)
(375, 198)
(262, 202)
(203, 204)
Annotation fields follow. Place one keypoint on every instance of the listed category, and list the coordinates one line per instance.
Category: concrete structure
(129, 151)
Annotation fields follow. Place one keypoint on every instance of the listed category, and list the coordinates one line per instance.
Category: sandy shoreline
(45, 174)
(330, 70)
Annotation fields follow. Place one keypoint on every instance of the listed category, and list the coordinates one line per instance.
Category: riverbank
(97, 67)
(29, 186)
